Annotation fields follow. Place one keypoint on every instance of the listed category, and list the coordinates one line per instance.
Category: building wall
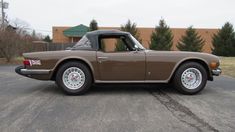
(58, 36)
(145, 34)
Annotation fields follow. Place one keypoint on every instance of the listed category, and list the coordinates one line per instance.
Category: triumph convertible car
(113, 56)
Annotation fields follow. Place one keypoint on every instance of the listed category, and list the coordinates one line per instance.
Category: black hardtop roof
(107, 32)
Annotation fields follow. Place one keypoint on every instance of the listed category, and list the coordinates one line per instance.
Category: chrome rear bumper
(216, 72)
(22, 71)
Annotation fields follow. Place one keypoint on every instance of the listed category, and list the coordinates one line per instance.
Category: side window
(113, 44)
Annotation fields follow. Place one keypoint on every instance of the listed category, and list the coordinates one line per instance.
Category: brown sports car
(112, 56)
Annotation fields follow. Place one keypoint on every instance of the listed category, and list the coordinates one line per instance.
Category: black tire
(81, 90)
(177, 80)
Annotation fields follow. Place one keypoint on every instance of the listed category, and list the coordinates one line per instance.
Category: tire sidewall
(83, 88)
(182, 68)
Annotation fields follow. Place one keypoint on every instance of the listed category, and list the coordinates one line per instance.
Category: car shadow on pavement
(52, 88)
(106, 89)
(131, 88)
(103, 89)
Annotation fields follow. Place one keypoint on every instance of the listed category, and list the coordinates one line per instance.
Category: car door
(120, 65)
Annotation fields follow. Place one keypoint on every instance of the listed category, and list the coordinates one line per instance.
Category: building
(73, 34)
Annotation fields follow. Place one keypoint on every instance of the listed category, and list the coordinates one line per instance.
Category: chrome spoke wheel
(73, 78)
(191, 78)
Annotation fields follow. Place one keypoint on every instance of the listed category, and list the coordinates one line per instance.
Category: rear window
(84, 42)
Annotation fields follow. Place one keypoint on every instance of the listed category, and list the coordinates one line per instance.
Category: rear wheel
(74, 78)
(190, 78)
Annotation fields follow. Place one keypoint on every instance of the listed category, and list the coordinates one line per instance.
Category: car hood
(182, 55)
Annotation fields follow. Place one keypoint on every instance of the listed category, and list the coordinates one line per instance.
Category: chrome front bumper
(216, 72)
(22, 71)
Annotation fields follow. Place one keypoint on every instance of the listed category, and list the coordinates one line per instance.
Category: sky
(41, 15)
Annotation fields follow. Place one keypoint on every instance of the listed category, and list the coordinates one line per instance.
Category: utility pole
(4, 5)
(2, 13)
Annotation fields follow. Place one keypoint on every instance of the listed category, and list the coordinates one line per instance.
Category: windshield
(137, 43)
(84, 42)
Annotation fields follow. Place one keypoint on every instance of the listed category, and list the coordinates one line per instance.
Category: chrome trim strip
(34, 71)
(216, 72)
(144, 81)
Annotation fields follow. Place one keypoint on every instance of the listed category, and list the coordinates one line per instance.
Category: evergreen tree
(191, 41)
(131, 28)
(93, 25)
(47, 39)
(224, 41)
(161, 38)
(34, 34)
(120, 46)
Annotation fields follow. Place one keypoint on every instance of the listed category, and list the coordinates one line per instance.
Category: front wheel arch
(203, 63)
(53, 77)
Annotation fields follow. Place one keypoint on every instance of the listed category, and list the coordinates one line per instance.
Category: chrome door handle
(102, 58)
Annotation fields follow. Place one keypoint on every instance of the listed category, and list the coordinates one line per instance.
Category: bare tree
(9, 43)
(21, 26)
(15, 39)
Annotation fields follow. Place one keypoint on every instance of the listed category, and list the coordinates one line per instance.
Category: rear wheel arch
(53, 77)
(199, 61)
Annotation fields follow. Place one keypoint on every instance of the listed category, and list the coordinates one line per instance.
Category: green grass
(228, 66)
(19, 58)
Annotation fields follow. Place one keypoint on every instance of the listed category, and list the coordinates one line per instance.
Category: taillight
(31, 62)
(26, 62)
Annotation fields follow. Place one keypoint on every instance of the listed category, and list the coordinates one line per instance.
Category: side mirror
(136, 48)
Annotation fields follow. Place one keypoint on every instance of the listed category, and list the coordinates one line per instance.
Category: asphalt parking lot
(32, 105)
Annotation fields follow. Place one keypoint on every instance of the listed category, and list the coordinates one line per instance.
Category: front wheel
(190, 78)
(74, 78)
